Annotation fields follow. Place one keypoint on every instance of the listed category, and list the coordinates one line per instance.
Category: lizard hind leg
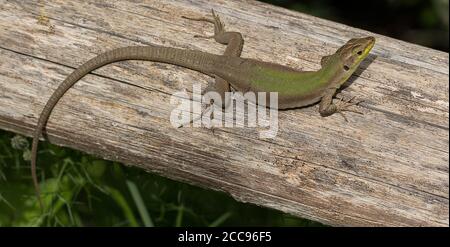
(234, 45)
(219, 27)
(233, 40)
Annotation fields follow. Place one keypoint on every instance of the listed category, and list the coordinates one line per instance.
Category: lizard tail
(195, 60)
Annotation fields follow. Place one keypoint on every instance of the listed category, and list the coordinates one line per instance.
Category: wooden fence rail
(388, 167)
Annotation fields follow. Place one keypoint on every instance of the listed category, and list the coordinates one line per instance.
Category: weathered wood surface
(388, 167)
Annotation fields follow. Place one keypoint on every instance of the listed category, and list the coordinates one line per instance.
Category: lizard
(295, 88)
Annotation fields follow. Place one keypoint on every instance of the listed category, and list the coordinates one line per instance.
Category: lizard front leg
(328, 108)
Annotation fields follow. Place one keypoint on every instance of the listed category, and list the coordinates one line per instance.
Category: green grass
(81, 190)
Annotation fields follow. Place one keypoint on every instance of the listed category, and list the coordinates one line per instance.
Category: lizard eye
(359, 53)
(346, 68)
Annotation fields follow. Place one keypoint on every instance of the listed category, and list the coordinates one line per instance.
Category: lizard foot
(343, 105)
(219, 27)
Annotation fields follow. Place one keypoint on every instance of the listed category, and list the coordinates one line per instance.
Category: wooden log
(388, 167)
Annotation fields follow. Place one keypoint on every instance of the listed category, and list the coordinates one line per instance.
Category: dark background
(423, 22)
(82, 190)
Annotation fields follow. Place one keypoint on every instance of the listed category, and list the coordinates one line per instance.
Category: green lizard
(295, 88)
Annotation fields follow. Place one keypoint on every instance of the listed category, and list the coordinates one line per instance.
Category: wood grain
(388, 167)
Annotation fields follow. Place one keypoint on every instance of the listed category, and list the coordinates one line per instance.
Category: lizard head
(349, 56)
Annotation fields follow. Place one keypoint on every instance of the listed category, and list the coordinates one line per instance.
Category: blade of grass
(140, 204)
(2, 199)
(122, 203)
(221, 219)
(179, 219)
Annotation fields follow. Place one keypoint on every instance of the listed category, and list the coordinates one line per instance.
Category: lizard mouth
(370, 44)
